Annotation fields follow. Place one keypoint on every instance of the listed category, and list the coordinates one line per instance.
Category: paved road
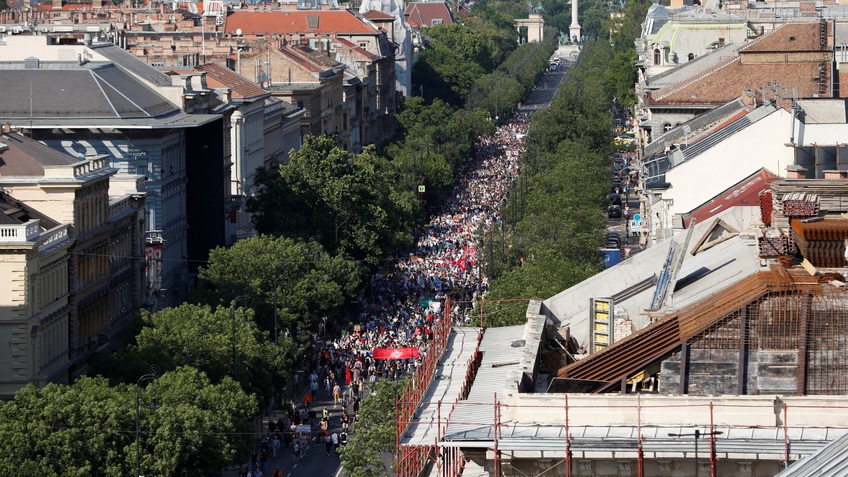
(545, 90)
(316, 462)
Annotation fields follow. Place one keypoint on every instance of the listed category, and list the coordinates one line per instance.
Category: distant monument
(574, 29)
(535, 26)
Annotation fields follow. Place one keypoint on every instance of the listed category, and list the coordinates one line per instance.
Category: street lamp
(697, 435)
(233, 314)
(150, 377)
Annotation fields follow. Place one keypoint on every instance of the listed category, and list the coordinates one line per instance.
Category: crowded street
(401, 308)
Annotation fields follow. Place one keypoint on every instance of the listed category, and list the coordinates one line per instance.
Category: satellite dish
(238, 31)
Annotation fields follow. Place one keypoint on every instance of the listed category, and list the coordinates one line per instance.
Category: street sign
(421, 189)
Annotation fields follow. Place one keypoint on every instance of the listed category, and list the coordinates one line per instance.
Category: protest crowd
(402, 307)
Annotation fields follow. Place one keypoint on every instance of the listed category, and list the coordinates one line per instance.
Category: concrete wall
(627, 410)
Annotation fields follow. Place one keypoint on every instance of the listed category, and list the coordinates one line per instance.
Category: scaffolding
(557, 437)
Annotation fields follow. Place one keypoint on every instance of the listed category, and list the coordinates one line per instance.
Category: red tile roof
(725, 81)
(422, 14)
(219, 77)
(744, 193)
(377, 15)
(789, 37)
(355, 49)
(295, 21)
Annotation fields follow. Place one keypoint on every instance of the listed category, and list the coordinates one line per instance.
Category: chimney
(836, 174)
(6, 128)
(96, 4)
(57, 4)
(795, 172)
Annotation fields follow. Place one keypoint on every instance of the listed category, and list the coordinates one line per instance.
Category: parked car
(615, 199)
(614, 212)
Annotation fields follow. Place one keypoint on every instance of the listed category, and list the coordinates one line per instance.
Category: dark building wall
(204, 195)
(716, 372)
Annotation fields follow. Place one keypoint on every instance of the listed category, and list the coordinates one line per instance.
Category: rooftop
(298, 21)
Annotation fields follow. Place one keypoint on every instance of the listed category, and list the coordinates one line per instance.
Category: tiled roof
(26, 157)
(726, 83)
(319, 58)
(219, 77)
(296, 55)
(298, 21)
(355, 49)
(724, 80)
(789, 37)
(48, 7)
(377, 15)
(422, 14)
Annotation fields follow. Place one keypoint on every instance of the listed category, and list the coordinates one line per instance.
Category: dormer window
(657, 56)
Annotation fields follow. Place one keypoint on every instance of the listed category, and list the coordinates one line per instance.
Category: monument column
(574, 29)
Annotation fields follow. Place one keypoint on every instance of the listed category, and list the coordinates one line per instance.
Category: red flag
(395, 353)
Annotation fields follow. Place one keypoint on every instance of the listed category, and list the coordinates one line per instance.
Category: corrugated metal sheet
(830, 461)
(449, 376)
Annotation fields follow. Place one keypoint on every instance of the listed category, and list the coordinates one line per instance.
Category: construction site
(719, 351)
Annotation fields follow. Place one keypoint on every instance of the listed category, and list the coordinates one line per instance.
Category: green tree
(299, 277)
(344, 200)
(62, 430)
(199, 428)
(198, 336)
(369, 450)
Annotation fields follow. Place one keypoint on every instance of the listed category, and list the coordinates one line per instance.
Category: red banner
(395, 353)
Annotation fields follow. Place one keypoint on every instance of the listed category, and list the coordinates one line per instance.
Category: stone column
(574, 29)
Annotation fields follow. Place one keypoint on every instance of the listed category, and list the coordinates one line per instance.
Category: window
(363, 44)
(691, 56)
(436, 21)
(657, 56)
(666, 127)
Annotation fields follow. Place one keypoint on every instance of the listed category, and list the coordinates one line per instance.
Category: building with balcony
(96, 285)
(103, 101)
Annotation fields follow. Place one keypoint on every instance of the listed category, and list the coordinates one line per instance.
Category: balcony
(20, 233)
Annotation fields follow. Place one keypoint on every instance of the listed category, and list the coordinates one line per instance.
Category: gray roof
(692, 68)
(133, 65)
(831, 460)
(700, 276)
(94, 90)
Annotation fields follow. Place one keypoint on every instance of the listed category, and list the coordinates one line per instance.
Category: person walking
(335, 437)
(328, 443)
(337, 393)
(277, 473)
(275, 444)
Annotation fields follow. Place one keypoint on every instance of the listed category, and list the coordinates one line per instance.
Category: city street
(316, 462)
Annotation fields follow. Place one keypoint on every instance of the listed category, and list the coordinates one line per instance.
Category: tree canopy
(366, 453)
(345, 201)
(88, 428)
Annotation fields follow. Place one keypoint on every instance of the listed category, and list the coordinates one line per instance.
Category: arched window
(666, 127)
(657, 56)
(691, 56)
